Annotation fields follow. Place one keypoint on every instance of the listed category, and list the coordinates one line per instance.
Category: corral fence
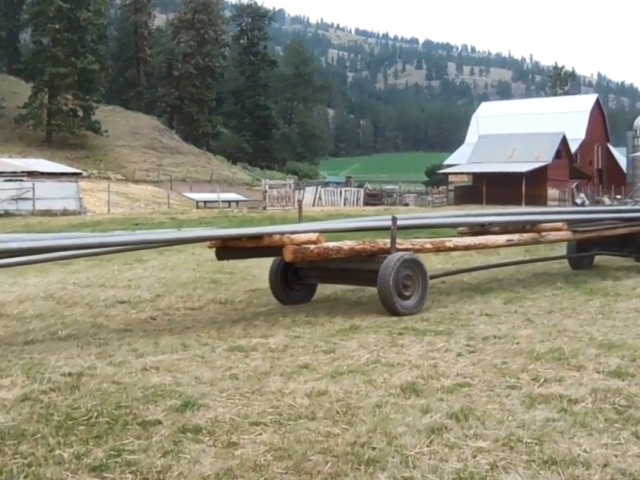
(284, 194)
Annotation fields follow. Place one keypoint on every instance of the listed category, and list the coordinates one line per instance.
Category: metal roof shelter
(207, 200)
(568, 114)
(35, 166)
(510, 153)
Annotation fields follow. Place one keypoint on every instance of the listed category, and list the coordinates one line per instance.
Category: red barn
(546, 143)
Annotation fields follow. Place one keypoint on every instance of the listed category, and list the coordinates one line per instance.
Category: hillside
(135, 145)
(486, 71)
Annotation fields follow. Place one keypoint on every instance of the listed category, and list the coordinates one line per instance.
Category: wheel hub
(407, 283)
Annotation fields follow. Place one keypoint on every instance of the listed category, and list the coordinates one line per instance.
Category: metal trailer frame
(402, 279)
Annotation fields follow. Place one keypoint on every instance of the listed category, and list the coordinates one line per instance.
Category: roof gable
(516, 148)
(568, 114)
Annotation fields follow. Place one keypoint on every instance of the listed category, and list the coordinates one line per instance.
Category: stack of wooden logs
(312, 246)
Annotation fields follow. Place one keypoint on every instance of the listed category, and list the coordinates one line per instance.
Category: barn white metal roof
(620, 158)
(500, 167)
(568, 114)
(34, 165)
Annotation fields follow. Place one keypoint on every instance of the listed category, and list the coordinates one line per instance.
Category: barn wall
(40, 197)
(558, 169)
(537, 187)
(504, 189)
(595, 147)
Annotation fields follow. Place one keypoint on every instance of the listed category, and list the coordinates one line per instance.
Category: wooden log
(541, 228)
(269, 241)
(293, 253)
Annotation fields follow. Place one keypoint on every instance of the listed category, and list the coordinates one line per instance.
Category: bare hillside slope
(134, 143)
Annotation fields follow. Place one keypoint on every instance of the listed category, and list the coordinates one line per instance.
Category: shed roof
(35, 165)
(497, 167)
(620, 154)
(516, 147)
(567, 114)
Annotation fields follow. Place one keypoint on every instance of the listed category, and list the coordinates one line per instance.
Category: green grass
(398, 167)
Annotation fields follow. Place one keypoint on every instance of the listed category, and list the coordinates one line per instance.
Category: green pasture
(407, 166)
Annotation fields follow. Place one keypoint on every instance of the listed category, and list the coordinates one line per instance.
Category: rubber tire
(388, 274)
(285, 292)
(579, 263)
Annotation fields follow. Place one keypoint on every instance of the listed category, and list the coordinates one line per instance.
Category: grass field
(393, 167)
(167, 365)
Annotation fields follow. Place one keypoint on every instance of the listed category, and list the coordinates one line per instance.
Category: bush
(434, 178)
(304, 171)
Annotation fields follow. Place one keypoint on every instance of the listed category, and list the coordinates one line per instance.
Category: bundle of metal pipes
(29, 249)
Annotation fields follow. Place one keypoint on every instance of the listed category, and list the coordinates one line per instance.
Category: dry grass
(136, 144)
(101, 196)
(168, 365)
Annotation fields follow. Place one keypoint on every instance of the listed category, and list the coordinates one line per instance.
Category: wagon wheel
(285, 285)
(579, 263)
(403, 283)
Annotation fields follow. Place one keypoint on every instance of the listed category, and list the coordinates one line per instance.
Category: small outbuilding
(38, 186)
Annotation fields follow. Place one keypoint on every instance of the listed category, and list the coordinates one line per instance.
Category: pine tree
(66, 63)
(191, 89)
(11, 25)
(131, 57)
(300, 93)
(252, 116)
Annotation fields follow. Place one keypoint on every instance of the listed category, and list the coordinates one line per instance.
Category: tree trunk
(293, 253)
(269, 241)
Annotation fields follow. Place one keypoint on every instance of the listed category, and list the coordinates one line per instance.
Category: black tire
(579, 263)
(403, 284)
(284, 286)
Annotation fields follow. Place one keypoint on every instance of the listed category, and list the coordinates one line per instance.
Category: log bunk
(304, 261)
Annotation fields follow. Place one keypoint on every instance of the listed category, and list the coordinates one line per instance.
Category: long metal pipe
(346, 227)
(73, 255)
(14, 237)
(497, 213)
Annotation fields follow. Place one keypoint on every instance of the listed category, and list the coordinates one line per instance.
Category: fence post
(33, 196)
(133, 174)
(219, 199)
(109, 197)
(168, 199)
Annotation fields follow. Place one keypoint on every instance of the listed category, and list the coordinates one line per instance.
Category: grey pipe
(14, 237)
(73, 255)
(498, 213)
(346, 227)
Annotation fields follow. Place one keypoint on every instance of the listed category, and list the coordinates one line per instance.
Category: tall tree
(131, 57)
(252, 115)
(301, 93)
(559, 81)
(67, 63)
(11, 25)
(190, 95)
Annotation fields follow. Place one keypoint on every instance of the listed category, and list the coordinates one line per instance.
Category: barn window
(576, 157)
(558, 155)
